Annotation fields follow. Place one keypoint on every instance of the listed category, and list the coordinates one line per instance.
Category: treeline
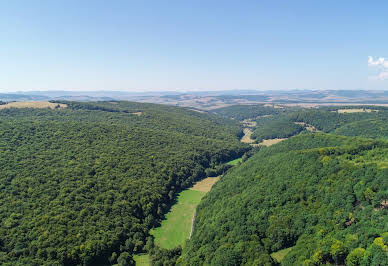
(275, 127)
(83, 185)
(329, 119)
(241, 112)
(324, 197)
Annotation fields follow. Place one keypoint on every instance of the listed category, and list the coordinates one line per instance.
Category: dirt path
(247, 136)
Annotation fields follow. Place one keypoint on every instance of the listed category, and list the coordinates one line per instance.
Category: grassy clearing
(205, 184)
(279, 255)
(142, 260)
(175, 229)
(235, 162)
(32, 105)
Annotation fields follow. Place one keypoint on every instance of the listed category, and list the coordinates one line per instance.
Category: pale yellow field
(269, 142)
(249, 123)
(350, 111)
(32, 105)
(205, 184)
(247, 136)
(137, 113)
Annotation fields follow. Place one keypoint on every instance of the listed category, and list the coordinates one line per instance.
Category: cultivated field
(32, 105)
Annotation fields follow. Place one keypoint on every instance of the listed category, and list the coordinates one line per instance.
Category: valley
(100, 183)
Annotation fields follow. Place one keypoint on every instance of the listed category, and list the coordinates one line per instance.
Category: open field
(279, 255)
(269, 142)
(137, 113)
(175, 229)
(247, 136)
(142, 260)
(351, 111)
(235, 162)
(206, 184)
(32, 105)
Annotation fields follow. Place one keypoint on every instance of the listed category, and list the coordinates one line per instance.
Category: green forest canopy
(323, 195)
(84, 184)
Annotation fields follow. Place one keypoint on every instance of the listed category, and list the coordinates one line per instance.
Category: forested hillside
(83, 185)
(241, 112)
(316, 198)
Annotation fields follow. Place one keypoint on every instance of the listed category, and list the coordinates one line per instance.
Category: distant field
(175, 230)
(32, 105)
(247, 136)
(206, 184)
(269, 142)
(351, 111)
(142, 260)
(235, 162)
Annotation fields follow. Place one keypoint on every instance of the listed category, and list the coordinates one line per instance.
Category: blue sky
(193, 45)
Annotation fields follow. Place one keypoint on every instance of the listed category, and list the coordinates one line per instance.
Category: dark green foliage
(165, 257)
(316, 193)
(328, 119)
(125, 259)
(241, 112)
(276, 127)
(83, 185)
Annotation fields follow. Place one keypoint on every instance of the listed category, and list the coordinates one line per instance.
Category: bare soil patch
(32, 105)
(247, 136)
(205, 184)
(269, 142)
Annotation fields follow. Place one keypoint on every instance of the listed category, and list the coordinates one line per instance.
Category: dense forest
(319, 199)
(275, 127)
(83, 185)
(241, 112)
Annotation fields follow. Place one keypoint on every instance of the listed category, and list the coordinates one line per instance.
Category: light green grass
(279, 255)
(142, 260)
(235, 162)
(175, 229)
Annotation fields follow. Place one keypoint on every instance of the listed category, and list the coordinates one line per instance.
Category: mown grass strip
(175, 229)
(142, 260)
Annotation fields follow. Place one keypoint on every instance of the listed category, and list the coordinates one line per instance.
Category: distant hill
(212, 99)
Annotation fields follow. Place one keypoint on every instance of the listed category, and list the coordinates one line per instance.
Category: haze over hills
(210, 99)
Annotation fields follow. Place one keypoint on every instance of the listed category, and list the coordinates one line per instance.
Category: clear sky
(193, 45)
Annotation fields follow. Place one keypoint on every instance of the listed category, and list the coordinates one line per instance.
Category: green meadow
(175, 229)
(142, 260)
(235, 162)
